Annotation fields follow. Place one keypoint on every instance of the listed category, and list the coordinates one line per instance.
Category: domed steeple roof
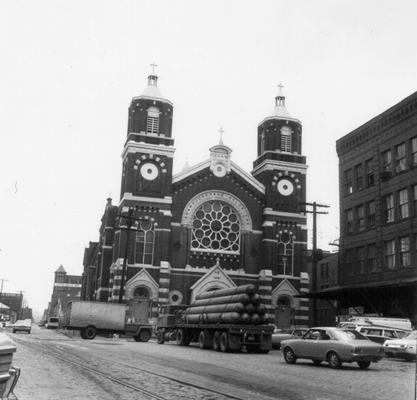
(152, 91)
(280, 110)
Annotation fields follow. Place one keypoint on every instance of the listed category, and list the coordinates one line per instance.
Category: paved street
(214, 375)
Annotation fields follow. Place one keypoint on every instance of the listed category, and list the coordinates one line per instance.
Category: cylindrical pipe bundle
(250, 309)
(243, 298)
(214, 318)
(249, 289)
(255, 299)
(260, 309)
(219, 308)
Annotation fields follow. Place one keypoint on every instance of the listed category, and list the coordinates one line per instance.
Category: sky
(69, 70)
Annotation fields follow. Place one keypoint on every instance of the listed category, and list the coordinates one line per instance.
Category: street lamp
(130, 222)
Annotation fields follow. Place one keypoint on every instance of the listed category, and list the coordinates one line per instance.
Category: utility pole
(317, 254)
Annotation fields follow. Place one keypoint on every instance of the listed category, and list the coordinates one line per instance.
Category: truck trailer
(226, 320)
(92, 318)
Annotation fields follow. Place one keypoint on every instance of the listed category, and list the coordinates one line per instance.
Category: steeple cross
(280, 87)
(221, 135)
(153, 65)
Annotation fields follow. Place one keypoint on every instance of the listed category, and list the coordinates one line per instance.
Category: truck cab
(168, 317)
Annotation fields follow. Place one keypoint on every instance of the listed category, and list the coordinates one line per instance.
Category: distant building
(66, 288)
(13, 304)
(326, 279)
(378, 216)
(210, 226)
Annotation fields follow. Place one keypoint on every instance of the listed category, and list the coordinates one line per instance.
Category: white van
(53, 323)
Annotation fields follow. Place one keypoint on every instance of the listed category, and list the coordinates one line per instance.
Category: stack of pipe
(239, 305)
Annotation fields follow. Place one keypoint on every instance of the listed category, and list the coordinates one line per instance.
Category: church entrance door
(283, 313)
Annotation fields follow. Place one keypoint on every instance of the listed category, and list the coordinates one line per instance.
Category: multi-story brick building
(210, 226)
(378, 215)
(66, 288)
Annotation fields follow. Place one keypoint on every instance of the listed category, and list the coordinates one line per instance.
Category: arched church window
(144, 245)
(153, 120)
(286, 139)
(262, 141)
(216, 227)
(285, 254)
(284, 302)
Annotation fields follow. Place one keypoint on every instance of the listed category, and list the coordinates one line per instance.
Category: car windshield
(410, 336)
(348, 334)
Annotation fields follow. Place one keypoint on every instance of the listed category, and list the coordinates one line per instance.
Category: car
(380, 334)
(333, 345)
(22, 325)
(404, 348)
(282, 334)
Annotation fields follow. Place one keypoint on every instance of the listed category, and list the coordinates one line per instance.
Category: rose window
(216, 226)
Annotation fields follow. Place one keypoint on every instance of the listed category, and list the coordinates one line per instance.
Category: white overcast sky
(69, 70)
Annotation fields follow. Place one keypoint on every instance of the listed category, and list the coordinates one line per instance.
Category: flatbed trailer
(219, 337)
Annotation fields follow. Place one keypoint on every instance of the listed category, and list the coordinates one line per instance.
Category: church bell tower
(282, 168)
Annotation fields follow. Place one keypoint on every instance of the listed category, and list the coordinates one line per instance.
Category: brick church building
(210, 226)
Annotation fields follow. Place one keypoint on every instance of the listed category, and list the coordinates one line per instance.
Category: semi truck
(226, 320)
(92, 318)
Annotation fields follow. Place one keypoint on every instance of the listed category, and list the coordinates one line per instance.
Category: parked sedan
(284, 334)
(404, 348)
(334, 346)
(22, 325)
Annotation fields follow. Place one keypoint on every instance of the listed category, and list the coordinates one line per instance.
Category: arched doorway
(283, 312)
(140, 305)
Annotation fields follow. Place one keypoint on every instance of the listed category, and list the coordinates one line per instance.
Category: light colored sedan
(333, 345)
(284, 334)
(404, 348)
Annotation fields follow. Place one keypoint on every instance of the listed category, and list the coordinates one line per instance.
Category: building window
(144, 246)
(360, 218)
(405, 255)
(327, 270)
(389, 208)
(348, 182)
(153, 120)
(349, 262)
(400, 162)
(415, 199)
(390, 254)
(370, 172)
(349, 221)
(403, 203)
(285, 254)
(286, 139)
(262, 141)
(360, 260)
(414, 151)
(216, 227)
(372, 258)
(371, 214)
(359, 176)
(387, 161)
(322, 270)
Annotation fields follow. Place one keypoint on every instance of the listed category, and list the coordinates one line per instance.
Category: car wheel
(334, 360)
(364, 364)
(289, 356)
(316, 362)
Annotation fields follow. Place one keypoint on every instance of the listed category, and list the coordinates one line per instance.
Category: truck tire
(224, 342)
(90, 333)
(144, 335)
(202, 340)
(216, 340)
(160, 337)
(182, 337)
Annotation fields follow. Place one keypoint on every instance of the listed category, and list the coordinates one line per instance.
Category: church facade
(211, 226)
